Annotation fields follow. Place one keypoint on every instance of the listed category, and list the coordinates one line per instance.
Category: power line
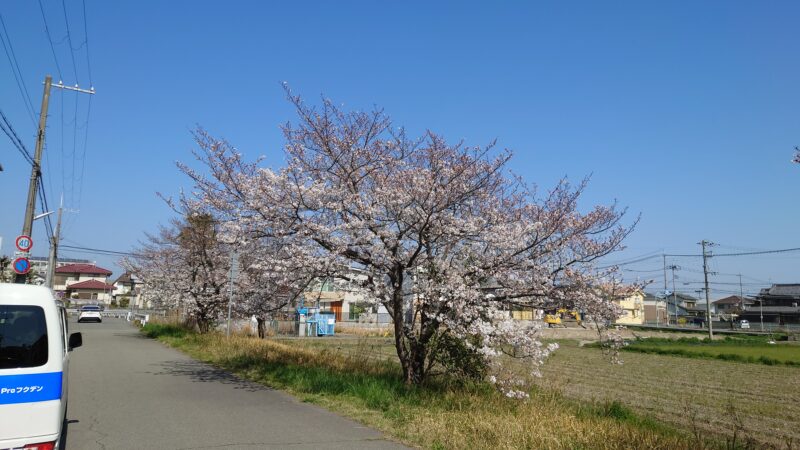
(23, 88)
(5, 125)
(83, 153)
(86, 40)
(45, 207)
(629, 262)
(763, 252)
(89, 106)
(69, 41)
(99, 251)
(50, 40)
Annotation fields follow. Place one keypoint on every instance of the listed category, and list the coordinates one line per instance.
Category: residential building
(779, 304)
(122, 288)
(665, 310)
(731, 305)
(83, 283)
(632, 309)
(343, 298)
(39, 264)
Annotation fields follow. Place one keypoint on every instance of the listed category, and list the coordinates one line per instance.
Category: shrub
(460, 360)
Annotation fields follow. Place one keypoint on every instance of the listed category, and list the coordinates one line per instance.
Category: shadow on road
(203, 373)
(135, 335)
(62, 445)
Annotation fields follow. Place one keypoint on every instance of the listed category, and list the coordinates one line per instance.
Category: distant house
(732, 305)
(343, 298)
(84, 283)
(40, 264)
(779, 304)
(90, 291)
(664, 310)
(122, 288)
(632, 309)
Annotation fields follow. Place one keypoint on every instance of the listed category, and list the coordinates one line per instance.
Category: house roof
(92, 284)
(790, 290)
(678, 296)
(772, 309)
(83, 268)
(731, 300)
(125, 278)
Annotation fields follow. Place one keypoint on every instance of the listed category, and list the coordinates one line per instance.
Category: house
(40, 264)
(343, 298)
(779, 304)
(732, 305)
(665, 310)
(632, 309)
(85, 283)
(122, 289)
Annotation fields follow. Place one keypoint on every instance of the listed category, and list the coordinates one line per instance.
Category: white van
(34, 362)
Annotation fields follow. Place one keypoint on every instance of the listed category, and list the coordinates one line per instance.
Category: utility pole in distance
(51, 259)
(704, 243)
(673, 267)
(666, 301)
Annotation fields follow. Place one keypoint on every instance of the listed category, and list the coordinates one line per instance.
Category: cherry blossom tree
(796, 155)
(444, 237)
(187, 266)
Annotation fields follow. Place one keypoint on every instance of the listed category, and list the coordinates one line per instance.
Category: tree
(187, 265)
(447, 239)
(269, 281)
(5, 262)
(796, 155)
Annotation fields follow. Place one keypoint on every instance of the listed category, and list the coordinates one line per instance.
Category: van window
(23, 336)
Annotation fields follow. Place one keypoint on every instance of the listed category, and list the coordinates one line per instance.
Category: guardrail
(141, 315)
(142, 318)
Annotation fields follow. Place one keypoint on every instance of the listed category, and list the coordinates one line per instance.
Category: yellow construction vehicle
(556, 318)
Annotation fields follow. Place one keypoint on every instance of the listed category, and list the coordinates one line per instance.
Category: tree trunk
(262, 327)
(411, 347)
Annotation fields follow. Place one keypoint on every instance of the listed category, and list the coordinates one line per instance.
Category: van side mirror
(75, 341)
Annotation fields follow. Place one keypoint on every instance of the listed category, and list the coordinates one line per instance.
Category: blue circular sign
(22, 266)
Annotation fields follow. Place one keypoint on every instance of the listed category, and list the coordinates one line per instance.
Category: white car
(35, 348)
(90, 313)
(744, 325)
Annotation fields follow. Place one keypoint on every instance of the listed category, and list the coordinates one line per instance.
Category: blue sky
(685, 112)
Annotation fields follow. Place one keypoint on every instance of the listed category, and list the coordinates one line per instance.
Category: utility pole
(658, 314)
(704, 243)
(51, 260)
(36, 170)
(673, 267)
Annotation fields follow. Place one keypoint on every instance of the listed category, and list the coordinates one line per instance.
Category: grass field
(704, 396)
(787, 354)
(358, 378)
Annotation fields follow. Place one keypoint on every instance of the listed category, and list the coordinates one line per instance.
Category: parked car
(90, 313)
(34, 365)
(744, 324)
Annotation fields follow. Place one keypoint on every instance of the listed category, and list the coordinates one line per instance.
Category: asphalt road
(129, 392)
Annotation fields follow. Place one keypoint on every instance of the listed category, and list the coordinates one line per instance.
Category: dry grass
(707, 396)
(704, 397)
(362, 331)
(350, 377)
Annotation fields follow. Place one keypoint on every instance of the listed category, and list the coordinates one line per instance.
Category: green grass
(444, 413)
(741, 349)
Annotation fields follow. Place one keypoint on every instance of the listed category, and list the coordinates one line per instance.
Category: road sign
(24, 243)
(22, 266)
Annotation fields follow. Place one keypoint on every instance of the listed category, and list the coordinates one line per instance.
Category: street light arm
(42, 215)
